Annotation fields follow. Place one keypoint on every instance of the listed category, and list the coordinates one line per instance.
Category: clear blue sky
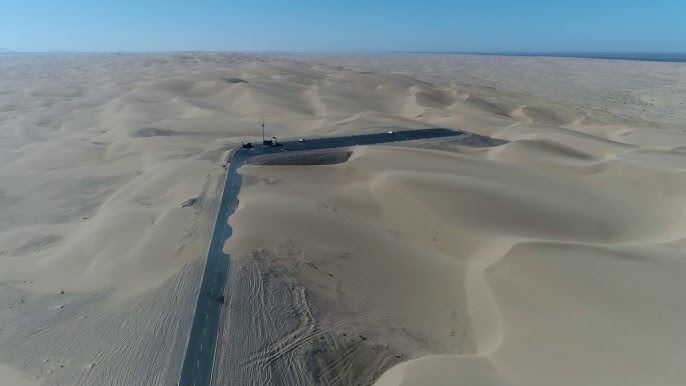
(344, 25)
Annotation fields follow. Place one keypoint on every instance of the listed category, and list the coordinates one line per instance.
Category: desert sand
(554, 258)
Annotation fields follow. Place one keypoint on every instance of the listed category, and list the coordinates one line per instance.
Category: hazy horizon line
(664, 56)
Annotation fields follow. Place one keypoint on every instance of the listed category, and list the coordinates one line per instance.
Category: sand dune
(463, 217)
(549, 253)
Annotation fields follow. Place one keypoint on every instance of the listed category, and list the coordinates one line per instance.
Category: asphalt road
(198, 364)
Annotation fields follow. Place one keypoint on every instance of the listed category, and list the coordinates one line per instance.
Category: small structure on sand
(268, 142)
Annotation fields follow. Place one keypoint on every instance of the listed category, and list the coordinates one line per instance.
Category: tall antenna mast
(263, 131)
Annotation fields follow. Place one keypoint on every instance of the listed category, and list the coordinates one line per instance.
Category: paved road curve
(198, 365)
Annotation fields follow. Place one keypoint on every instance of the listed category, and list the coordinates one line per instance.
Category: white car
(301, 139)
(390, 132)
